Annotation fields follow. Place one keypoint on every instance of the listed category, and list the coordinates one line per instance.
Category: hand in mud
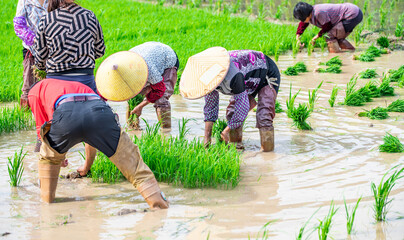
(137, 110)
(82, 171)
(64, 163)
(313, 41)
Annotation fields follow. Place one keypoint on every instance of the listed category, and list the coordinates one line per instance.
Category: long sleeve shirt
(43, 95)
(68, 39)
(326, 16)
(26, 20)
(251, 68)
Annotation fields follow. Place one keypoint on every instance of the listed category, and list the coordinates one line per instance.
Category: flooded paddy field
(308, 169)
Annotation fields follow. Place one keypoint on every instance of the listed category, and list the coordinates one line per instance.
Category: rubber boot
(128, 160)
(236, 136)
(164, 116)
(345, 45)
(48, 180)
(333, 46)
(267, 139)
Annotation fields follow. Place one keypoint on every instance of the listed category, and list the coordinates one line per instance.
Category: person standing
(26, 22)
(337, 21)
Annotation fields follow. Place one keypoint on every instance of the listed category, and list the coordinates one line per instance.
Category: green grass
(188, 163)
(350, 217)
(368, 73)
(324, 226)
(14, 119)
(218, 128)
(383, 42)
(103, 170)
(382, 192)
(377, 113)
(333, 96)
(15, 167)
(298, 114)
(396, 106)
(391, 144)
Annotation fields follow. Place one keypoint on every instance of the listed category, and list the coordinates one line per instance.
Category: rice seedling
(370, 54)
(38, 74)
(14, 119)
(103, 170)
(218, 128)
(353, 97)
(377, 113)
(383, 42)
(364, 57)
(350, 217)
(385, 89)
(382, 192)
(298, 114)
(399, 32)
(391, 144)
(278, 107)
(396, 106)
(291, 71)
(333, 61)
(300, 67)
(279, 12)
(333, 96)
(396, 75)
(324, 226)
(132, 119)
(301, 230)
(313, 96)
(368, 73)
(15, 167)
(330, 69)
(182, 128)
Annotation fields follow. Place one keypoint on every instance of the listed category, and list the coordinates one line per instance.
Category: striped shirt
(68, 38)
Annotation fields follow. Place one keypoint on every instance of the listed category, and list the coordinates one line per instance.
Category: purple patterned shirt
(333, 13)
(248, 62)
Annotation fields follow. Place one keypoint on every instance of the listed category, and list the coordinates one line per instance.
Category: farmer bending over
(337, 20)
(162, 63)
(243, 74)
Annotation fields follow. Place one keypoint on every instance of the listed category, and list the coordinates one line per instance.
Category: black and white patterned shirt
(68, 39)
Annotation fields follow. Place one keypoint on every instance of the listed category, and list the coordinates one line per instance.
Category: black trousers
(349, 25)
(92, 122)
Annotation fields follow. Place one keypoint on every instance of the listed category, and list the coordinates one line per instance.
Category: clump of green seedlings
(180, 161)
(382, 192)
(133, 120)
(313, 96)
(385, 89)
(103, 170)
(296, 69)
(391, 144)
(291, 71)
(399, 32)
(370, 54)
(377, 113)
(350, 217)
(324, 226)
(15, 167)
(14, 119)
(278, 107)
(333, 61)
(218, 128)
(396, 106)
(38, 74)
(334, 66)
(333, 96)
(353, 97)
(368, 73)
(396, 75)
(383, 42)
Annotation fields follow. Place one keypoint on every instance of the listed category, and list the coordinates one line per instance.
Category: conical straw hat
(204, 72)
(121, 76)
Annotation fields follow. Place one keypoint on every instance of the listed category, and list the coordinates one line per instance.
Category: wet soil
(308, 169)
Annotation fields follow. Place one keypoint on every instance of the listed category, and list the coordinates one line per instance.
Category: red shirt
(43, 95)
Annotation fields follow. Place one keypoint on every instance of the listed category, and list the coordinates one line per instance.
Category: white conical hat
(121, 76)
(204, 72)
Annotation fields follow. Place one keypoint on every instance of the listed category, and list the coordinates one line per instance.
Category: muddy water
(307, 170)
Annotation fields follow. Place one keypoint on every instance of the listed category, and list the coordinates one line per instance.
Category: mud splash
(307, 170)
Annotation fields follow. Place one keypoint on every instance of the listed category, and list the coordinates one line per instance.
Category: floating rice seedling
(218, 128)
(15, 167)
(333, 96)
(132, 119)
(324, 226)
(396, 106)
(179, 161)
(383, 42)
(368, 73)
(300, 114)
(382, 191)
(103, 170)
(14, 119)
(391, 144)
(377, 113)
(291, 71)
(350, 217)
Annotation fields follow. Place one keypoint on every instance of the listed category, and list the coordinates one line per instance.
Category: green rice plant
(236, 7)
(278, 108)
(182, 128)
(301, 230)
(324, 226)
(399, 32)
(372, 89)
(180, 161)
(330, 69)
(396, 75)
(333, 96)
(377, 113)
(132, 119)
(373, 51)
(382, 192)
(350, 218)
(14, 119)
(279, 12)
(300, 67)
(391, 144)
(313, 96)
(383, 14)
(385, 89)
(218, 128)
(300, 114)
(333, 61)
(15, 167)
(383, 42)
(310, 49)
(369, 55)
(103, 170)
(364, 57)
(396, 106)
(368, 73)
(353, 96)
(291, 71)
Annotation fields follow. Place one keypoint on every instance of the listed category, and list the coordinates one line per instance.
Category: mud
(308, 169)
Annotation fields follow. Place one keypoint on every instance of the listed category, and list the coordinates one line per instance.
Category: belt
(77, 99)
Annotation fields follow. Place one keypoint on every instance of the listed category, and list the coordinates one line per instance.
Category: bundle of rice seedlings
(333, 96)
(330, 69)
(278, 108)
(385, 89)
(218, 128)
(364, 57)
(313, 96)
(396, 75)
(368, 73)
(132, 119)
(383, 42)
(325, 224)
(300, 67)
(391, 144)
(396, 106)
(291, 71)
(377, 113)
(103, 170)
(15, 167)
(370, 54)
(300, 114)
(38, 74)
(373, 51)
(353, 97)
(333, 61)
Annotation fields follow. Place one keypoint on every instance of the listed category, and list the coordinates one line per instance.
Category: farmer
(26, 22)
(69, 112)
(335, 20)
(68, 40)
(162, 63)
(243, 74)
